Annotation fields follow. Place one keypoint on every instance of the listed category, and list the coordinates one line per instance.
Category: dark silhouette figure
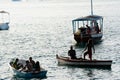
(97, 28)
(28, 67)
(17, 65)
(88, 29)
(89, 47)
(37, 66)
(32, 62)
(72, 53)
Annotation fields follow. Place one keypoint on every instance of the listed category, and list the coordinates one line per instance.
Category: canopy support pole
(91, 8)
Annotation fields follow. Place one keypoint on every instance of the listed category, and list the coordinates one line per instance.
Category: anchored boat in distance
(4, 20)
(88, 26)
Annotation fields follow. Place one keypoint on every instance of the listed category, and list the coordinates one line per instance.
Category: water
(42, 29)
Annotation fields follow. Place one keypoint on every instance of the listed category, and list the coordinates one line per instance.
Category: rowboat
(84, 63)
(5, 20)
(88, 26)
(22, 74)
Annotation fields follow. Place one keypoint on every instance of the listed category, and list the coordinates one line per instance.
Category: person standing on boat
(72, 53)
(89, 47)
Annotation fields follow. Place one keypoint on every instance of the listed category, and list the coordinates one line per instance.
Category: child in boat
(72, 53)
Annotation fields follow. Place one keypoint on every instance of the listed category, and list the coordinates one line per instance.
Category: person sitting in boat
(89, 47)
(97, 27)
(28, 67)
(37, 66)
(32, 62)
(72, 53)
(88, 29)
(17, 65)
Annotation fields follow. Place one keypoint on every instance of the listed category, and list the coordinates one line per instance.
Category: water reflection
(90, 73)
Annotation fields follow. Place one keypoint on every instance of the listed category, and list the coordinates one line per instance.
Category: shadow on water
(85, 67)
(83, 44)
(98, 42)
(80, 45)
(19, 78)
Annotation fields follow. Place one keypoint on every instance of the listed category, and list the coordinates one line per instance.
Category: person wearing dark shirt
(72, 53)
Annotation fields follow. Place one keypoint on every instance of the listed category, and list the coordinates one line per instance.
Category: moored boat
(84, 63)
(88, 26)
(4, 20)
(23, 74)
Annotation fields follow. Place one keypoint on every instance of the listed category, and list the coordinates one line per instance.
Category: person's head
(27, 62)
(17, 59)
(30, 58)
(37, 63)
(71, 47)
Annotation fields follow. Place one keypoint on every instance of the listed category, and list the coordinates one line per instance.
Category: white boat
(4, 20)
(81, 31)
(20, 73)
(84, 63)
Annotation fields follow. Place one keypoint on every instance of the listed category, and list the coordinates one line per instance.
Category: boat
(4, 20)
(88, 26)
(80, 62)
(22, 74)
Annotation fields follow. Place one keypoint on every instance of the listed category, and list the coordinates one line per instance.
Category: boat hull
(4, 26)
(84, 63)
(41, 74)
(96, 38)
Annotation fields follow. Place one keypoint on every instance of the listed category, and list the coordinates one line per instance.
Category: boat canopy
(4, 12)
(88, 18)
(4, 17)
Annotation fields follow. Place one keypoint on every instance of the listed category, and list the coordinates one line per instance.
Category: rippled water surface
(42, 29)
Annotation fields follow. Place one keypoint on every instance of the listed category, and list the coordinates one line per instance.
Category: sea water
(42, 28)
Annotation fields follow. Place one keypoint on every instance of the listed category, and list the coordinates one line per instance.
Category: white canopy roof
(4, 12)
(88, 18)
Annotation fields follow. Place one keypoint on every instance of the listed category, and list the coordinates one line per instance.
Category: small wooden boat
(33, 74)
(4, 20)
(88, 26)
(84, 63)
